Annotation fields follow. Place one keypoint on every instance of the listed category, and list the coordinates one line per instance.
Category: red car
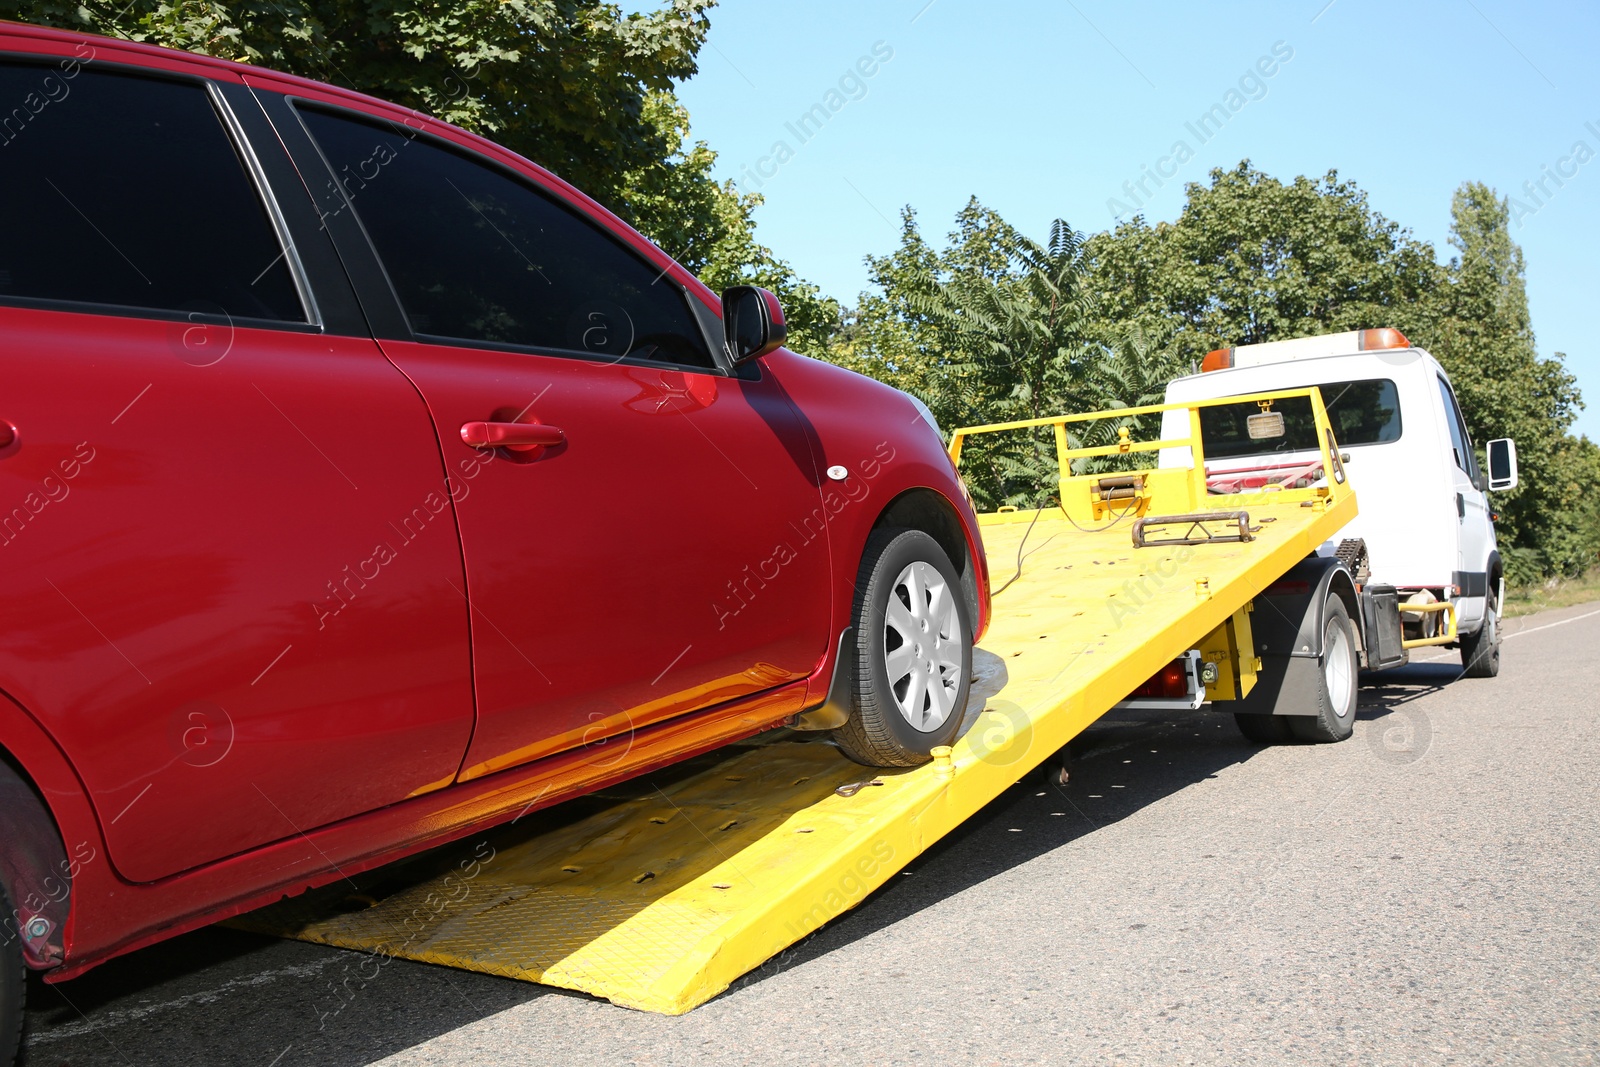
(363, 485)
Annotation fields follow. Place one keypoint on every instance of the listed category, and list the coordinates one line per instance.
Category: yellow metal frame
(660, 895)
(1448, 609)
(1232, 648)
(1078, 492)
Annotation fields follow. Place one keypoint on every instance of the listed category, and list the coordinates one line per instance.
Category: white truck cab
(1424, 515)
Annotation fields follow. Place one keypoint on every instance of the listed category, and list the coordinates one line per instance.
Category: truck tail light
(1217, 359)
(1388, 337)
(1169, 683)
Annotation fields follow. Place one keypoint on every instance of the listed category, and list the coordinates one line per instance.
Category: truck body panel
(1424, 517)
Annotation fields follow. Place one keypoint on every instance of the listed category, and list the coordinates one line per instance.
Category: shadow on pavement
(1122, 764)
(1383, 692)
(220, 996)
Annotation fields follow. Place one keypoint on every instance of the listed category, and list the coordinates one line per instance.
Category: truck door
(1472, 516)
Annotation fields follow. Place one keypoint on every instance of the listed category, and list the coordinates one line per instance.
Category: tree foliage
(997, 327)
(1252, 259)
(710, 227)
(1001, 328)
(1483, 334)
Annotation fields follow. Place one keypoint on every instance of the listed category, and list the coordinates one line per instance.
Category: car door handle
(517, 436)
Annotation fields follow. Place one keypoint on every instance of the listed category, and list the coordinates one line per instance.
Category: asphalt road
(1425, 893)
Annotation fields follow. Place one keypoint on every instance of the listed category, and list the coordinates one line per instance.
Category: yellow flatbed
(659, 894)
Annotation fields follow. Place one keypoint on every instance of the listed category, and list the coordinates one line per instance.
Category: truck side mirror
(752, 322)
(1502, 464)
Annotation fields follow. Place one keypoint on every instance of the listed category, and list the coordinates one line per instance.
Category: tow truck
(1426, 528)
(1138, 582)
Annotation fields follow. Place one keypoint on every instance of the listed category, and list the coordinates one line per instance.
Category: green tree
(1135, 370)
(709, 227)
(997, 328)
(987, 330)
(1483, 334)
(1570, 544)
(1253, 259)
(883, 336)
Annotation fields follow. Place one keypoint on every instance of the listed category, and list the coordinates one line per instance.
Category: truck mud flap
(1380, 628)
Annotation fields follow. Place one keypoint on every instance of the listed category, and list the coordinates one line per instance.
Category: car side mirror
(752, 322)
(1502, 464)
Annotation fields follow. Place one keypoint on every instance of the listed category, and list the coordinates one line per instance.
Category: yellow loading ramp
(660, 894)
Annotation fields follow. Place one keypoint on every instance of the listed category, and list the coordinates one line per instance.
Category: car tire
(1480, 652)
(1337, 679)
(13, 985)
(1264, 729)
(913, 652)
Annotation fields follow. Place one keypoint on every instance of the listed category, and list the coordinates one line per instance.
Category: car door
(1472, 513)
(211, 594)
(669, 553)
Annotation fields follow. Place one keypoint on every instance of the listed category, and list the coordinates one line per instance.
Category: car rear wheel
(913, 652)
(1336, 689)
(12, 985)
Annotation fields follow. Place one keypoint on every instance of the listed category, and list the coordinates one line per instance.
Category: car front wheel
(913, 652)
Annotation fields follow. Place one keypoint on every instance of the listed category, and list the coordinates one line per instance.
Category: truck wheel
(1263, 729)
(913, 652)
(1480, 652)
(12, 986)
(1336, 687)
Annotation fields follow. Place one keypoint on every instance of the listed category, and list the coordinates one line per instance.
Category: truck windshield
(1361, 413)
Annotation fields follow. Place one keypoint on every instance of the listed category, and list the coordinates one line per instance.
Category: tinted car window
(1361, 413)
(477, 255)
(125, 190)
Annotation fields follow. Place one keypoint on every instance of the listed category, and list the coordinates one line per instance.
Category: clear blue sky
(1045, 109)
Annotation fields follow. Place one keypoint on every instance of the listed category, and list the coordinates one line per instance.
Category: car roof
(153, 56)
